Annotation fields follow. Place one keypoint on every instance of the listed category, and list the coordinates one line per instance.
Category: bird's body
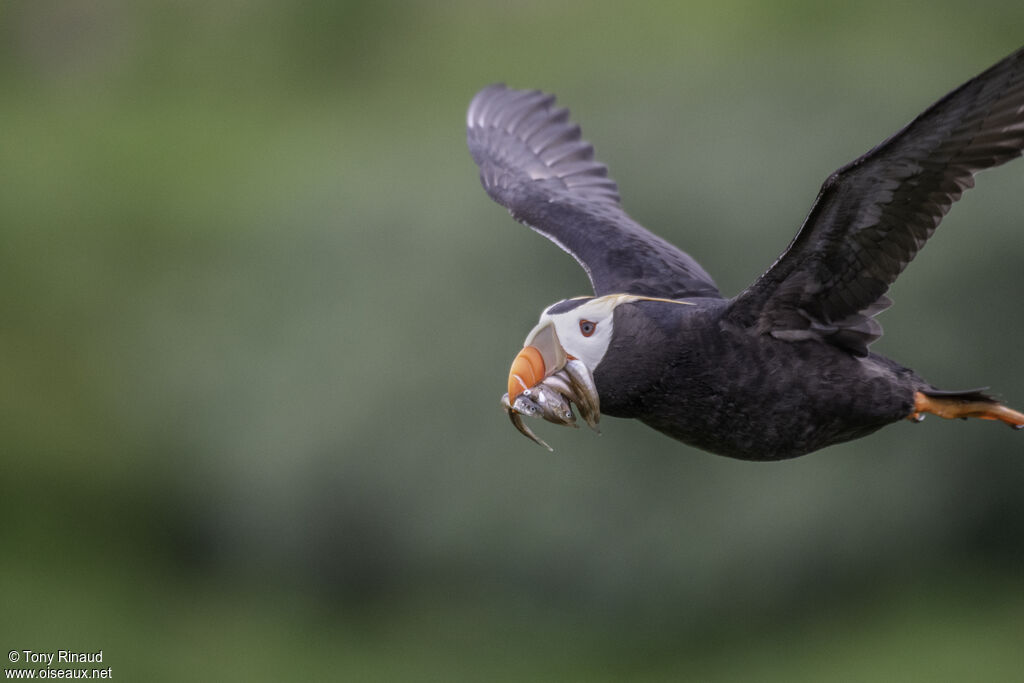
(782, 368)
(708, 383)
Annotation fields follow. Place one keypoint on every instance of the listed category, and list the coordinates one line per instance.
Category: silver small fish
(553, 406)
(517, 421)
(586, 392)
(560, 383)
(552, 399)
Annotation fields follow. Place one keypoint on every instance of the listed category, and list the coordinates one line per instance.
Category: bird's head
(579, 328)
(559, 358)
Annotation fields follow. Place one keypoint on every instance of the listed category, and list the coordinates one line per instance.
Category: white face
(585, 331)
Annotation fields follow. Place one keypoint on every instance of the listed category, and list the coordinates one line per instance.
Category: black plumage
(783, 368)
(873, 215)
(533, 162)
(689, 373)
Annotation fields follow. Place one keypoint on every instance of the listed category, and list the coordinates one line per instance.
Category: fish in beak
(544, 381)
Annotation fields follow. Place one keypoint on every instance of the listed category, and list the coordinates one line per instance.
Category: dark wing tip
(519, 136)
(873, 215)
(534, 161)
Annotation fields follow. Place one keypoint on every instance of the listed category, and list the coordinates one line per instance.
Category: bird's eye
(587, 328)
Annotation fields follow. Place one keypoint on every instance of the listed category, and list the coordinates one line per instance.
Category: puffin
(782, 368)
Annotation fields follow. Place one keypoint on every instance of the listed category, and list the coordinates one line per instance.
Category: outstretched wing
(873, 215)
(533, 162)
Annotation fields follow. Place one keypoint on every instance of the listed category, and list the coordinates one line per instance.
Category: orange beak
(527, 370)
(540, 356)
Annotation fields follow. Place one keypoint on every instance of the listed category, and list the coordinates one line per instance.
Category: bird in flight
(781, 369)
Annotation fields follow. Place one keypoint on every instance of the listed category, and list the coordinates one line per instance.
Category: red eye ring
(587, 327)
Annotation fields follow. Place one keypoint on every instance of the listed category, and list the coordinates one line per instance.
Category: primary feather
(533, 162)
(873, 215)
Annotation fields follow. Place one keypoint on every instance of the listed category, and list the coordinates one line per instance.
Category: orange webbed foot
(951, 407)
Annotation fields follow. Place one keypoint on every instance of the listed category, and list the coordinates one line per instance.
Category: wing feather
(873, 215)
(534, 162)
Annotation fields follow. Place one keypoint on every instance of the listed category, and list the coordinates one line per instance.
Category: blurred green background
(258, 313)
